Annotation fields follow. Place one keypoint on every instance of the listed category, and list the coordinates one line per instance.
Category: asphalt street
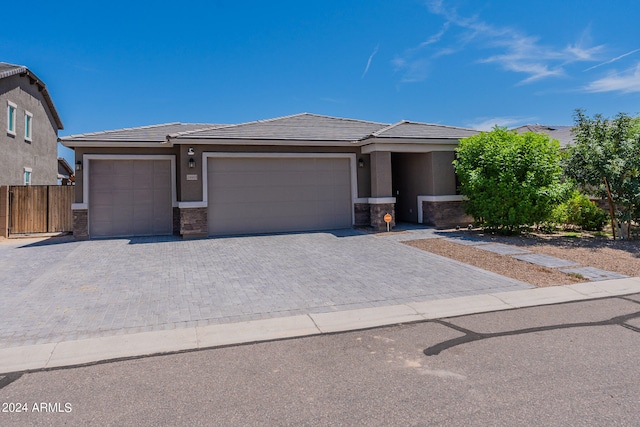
(565, 364)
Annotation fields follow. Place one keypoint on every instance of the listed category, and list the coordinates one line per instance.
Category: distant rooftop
(563, 134)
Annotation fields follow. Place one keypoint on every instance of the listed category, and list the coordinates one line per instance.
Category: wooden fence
(40, 208)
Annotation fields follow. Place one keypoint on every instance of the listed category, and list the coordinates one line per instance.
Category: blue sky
(116, 64)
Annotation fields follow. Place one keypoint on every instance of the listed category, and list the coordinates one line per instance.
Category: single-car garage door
(276, 194)
(130, 198)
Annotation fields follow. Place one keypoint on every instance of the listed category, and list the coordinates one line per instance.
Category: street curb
(100, 349)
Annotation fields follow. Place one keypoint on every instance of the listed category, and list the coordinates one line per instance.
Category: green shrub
(512, 181)
(580, 211)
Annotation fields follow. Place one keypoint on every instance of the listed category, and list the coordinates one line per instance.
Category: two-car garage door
(277, 194)
(246, 194)
(130, 198)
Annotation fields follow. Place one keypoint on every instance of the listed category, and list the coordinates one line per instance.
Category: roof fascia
(410, 145)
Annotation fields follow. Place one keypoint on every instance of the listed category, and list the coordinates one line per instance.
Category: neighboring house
(29, 129)
(563, 134)
(294, 173)
(65, 172)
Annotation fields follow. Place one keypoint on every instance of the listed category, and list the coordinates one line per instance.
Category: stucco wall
(16, 153)
(443, 173)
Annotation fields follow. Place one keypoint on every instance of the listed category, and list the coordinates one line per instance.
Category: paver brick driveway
(60, 289)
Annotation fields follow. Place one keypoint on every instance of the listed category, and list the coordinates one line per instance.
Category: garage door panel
(142, 181)
(101, 167)
(130, 197)
(143, 168)
(254, 195)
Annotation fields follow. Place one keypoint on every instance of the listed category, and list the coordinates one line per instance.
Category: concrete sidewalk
(87, 351)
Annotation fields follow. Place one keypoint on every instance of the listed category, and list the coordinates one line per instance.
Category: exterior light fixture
(78, 165)
(360, 162)
(192, 163)
(190, 152)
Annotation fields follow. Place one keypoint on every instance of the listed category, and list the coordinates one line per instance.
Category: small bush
(581, 212)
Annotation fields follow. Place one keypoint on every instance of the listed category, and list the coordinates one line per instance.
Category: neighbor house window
(27, 176)
(28, 125)
(11, 117)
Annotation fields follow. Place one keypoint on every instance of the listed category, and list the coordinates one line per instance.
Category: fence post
(4, 211)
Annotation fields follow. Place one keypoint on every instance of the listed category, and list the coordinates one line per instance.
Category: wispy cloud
(617, 58)
(413, 66)
(488, 123)
(366, 69)
(514, 50)
(627, 81)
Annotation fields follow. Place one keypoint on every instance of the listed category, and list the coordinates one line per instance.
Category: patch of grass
(576, 275)
(572, 234)
(602, 234)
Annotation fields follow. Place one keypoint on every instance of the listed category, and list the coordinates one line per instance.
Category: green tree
(605, 160)
(512, 181)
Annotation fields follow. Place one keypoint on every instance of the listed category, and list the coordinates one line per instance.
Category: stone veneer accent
(81, 224)
(193, 222)
(176, 221)
(362, 214)
(445, 214)
(377, 213)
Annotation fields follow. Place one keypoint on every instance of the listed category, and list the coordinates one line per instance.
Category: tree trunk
(611, 208)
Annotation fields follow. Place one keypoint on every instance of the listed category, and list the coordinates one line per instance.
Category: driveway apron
(59, 289)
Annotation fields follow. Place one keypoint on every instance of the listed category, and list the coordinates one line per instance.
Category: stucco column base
(445, 214)
(377, 211)
(81, 224)
(193, 223)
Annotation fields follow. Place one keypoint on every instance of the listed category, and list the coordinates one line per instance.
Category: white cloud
(413, 66)
(515, 51)
(617, 58)
(485, 123)
(625, 82)
(414, 70)
(366, 69)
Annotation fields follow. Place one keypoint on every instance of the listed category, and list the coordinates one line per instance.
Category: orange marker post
(387, 219)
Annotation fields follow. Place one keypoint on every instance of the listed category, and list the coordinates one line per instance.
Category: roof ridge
(386, 128)
(187, 132)
(347, 119)
(437, 124)
(273, 119)
(401, 122)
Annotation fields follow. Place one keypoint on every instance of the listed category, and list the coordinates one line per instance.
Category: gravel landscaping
(620, 256)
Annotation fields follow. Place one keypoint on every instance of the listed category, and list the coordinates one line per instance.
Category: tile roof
(300, 127)
(407, 129)
(8, 70)
(563, 134)
(144, 134)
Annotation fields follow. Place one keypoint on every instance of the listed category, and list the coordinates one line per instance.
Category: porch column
(381, 201)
